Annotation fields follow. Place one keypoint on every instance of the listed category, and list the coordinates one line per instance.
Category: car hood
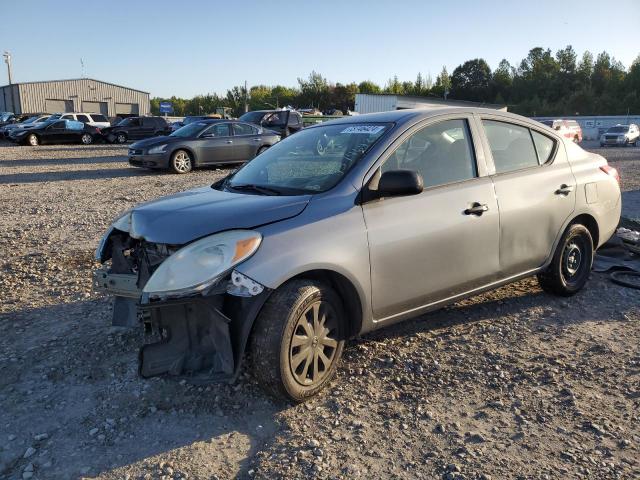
(187, 216)
(150, 142)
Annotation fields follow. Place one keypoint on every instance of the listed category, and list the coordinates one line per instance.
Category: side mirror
(398, 183)
(557, 127)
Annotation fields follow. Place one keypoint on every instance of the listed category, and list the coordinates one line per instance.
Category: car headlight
(200, 264)
(158, 149)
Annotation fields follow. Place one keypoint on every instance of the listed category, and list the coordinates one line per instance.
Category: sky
(185, 48)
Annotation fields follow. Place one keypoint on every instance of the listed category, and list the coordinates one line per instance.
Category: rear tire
(121, 138)
(181, 162)
(297, 340)
(33, 140)
(571, 264)
(86, 139)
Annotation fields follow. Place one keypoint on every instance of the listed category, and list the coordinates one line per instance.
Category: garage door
(57, 106)
(126, 109)
(95, 107)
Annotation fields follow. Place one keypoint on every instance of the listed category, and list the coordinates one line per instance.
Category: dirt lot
(510, 384)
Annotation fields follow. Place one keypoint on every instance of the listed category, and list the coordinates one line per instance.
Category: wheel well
(188, 150)
(347, 292)
(591, 224)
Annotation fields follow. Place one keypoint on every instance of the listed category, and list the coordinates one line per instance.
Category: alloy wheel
(313, 344)
(182, 162)
(33, 140)
(86, 139)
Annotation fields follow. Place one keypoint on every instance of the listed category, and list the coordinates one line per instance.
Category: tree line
(542, 84)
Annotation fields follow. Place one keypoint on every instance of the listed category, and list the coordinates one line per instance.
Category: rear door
(246, 141)
(535, 189)
(148, 127)
(134, 129)
(444, 241)
(216, 144)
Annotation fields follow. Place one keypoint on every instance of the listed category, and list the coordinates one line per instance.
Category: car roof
(417, 114)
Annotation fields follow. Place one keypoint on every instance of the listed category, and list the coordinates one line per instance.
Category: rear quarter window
(511, 145)
(544, 146)
(99, 118)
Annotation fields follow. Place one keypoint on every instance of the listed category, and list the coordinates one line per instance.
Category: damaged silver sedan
(350, 226)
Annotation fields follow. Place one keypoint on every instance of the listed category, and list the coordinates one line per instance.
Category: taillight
(98, 130)
(612, 172)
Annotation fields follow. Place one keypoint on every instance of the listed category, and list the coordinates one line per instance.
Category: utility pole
(7, 60)
(246, 96)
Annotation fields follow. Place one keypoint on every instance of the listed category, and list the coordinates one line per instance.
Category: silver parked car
(306, 246)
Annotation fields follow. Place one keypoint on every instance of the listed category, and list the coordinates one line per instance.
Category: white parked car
(93, 119)
(621, 135)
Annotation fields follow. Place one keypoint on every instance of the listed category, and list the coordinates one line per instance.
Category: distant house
(74, 95)
(371, 103)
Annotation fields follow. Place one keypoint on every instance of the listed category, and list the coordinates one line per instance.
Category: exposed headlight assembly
(122, 223)
(158, 149)
(201, 264)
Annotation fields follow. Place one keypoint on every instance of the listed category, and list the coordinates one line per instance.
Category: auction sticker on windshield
(368, 129)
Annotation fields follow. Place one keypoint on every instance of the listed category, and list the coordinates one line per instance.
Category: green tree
(471, 81)
(368, 86)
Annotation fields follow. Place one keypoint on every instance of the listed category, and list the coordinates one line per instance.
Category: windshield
(188, 120)
(31, 120)
(267, 119)
(5, 116)
(617, 130)
(191, 130)
(311, 161)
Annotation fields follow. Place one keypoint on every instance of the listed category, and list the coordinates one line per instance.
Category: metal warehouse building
(74, 95)
(374, 102)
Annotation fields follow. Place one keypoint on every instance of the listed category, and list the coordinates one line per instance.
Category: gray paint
(405, 255)
(32, 96)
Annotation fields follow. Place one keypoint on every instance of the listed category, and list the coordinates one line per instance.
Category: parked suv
(567, 128)
(283, 122)
(301, 249)
(137, 128)
(622, 135)
(94, 119)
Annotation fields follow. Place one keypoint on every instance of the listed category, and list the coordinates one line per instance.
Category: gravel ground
(510, 384)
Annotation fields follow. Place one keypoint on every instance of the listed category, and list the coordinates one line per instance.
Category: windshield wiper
(249, 187)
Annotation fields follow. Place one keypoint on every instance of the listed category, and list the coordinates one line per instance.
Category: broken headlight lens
(122, 223)
(200, 264)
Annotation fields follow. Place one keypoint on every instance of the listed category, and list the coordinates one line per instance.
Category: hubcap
(572, 259)
(182, 162)
(313, 344)
(121, 138)
(86, 139)
(33, 140)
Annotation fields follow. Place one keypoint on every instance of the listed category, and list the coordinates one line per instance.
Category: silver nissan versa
(349, 226)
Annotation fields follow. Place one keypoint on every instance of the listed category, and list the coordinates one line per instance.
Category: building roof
(444, 102)
(76, 80)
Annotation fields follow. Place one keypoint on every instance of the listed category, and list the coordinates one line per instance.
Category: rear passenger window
(82, 118)
(243, 129)
(99, 118)
(544, 146)
(441, 153)
(511, 146)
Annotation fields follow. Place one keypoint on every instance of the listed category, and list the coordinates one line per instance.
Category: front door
(216, 144)
(56, 132)
(535, 188)
(442, 242)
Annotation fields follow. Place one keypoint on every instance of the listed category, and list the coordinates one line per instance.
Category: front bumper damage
(202, 337)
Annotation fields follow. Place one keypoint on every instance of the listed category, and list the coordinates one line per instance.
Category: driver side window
(441, 153)
(58, 125)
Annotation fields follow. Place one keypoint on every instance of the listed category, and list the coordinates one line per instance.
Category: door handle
(229, 141)
(476, 209)
(564, 190)
(256, 139)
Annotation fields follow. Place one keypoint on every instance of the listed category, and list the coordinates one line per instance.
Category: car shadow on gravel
(36, 162)
(100, 418)
(66, 175)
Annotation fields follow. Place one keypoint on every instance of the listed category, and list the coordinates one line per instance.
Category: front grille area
(135, 151)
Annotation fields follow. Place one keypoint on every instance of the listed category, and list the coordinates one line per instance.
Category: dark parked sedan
(58, 131)
(205, 142)
(137, 128)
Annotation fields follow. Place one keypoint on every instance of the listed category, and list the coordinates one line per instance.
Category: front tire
(121, 138)
(33, 140)
(298, 339)
(181, 162)
(571, 264)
